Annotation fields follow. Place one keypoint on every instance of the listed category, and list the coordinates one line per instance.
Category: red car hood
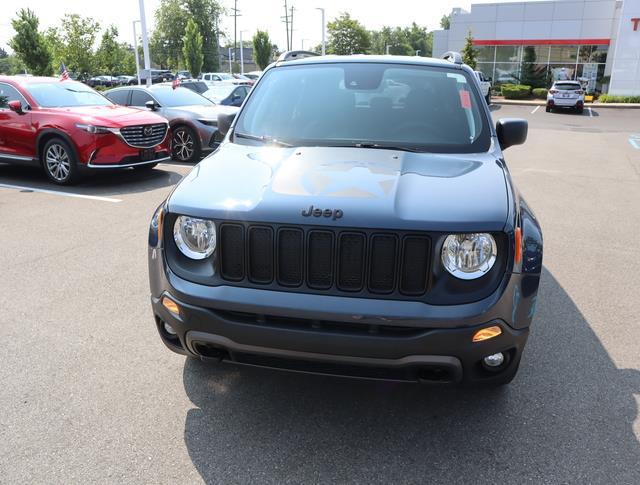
(110, 116)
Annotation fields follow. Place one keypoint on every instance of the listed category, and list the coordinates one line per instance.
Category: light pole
(230, 66)
(135, 50)
(241, 54)
(388, 47)
(324, 27)
(145, 43)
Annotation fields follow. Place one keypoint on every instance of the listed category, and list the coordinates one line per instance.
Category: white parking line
(535, 109)
(590, 113)
(56, 192)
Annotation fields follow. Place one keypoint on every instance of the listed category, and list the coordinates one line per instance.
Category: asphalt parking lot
(90, 394)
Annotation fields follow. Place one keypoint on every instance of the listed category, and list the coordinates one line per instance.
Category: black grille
(144, 136)
(358, 262)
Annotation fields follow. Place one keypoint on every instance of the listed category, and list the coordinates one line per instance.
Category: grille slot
(415, 265)
(361, 262)
(136, 136)
(351, 261)
(261, 254)
(232, 252)
(290, 254)
(382, 267)
(320, 263)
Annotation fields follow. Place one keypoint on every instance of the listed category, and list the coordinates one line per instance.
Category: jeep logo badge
(316, 212)
(147, 130)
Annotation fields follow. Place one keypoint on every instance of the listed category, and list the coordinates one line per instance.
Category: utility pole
(241, 54)
(236, 14)
(291, 37)
(145, 43)
(324, 42)
(285, 19)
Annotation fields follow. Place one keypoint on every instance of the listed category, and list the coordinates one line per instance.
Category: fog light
(486, 333)
(169, 329)
(494, 360)
(171, 305)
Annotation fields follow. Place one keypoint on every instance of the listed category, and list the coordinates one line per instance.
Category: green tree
(347, 36)
(192, 48)
(468, 52)
(3, 53)
(262, 49)
(110, 54)
(171, 23)
(77, 37)
(11, 65)
(29, 43)
(445, 22)
(394, 38)
(56, 46)
(530, 73)
(419, 39)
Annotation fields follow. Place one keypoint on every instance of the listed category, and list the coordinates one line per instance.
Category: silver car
(193, 118)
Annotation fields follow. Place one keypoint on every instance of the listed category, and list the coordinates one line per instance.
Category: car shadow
(568, 417)
(107, 183)
(495, 107)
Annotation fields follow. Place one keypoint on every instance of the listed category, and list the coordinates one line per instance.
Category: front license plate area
(147, 155)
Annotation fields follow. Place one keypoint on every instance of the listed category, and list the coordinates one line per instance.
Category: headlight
(93, 129)
(469, 256)
(196, 238)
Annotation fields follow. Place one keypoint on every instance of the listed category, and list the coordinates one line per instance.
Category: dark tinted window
(58, 94)
(567, 86)
(119, 97)
(9, 93)
(199, 88)
(421, 107)
(139, 98)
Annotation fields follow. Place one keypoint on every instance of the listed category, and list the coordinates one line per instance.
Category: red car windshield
(65, 94)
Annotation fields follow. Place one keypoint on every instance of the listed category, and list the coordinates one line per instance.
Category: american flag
(176, 83)
(64, 74)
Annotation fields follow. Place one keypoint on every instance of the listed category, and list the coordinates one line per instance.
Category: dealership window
(507, 73)
(508, 53)
(563, 53)
(485, 53)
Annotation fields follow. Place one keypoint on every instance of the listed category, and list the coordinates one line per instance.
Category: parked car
(196, 86)
(106, 81)
(566, 94)
(127, 80)
(65, 127)
(227, 94)
(192, 117)
(216, 76)
(386, 241)
(183, 75)
(157, 76)
(253, 75)
(243, 79)
(485, 85)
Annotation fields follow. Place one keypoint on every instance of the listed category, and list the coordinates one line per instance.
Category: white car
(566, 94)
(216, 76)
(485, 85)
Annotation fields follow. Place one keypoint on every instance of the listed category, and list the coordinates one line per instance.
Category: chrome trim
(157, 160)
(116, 131)
(17, 157)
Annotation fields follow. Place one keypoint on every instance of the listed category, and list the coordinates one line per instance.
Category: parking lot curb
(516, 102)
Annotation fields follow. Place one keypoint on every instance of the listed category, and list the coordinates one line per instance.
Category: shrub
(609, 98)
(540, 93)
(517, 91)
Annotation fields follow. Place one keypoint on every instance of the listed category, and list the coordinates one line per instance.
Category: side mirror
(151, 105)
(511, 131)
(15, 106)
(224, 122)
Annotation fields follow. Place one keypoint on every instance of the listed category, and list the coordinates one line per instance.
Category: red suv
(65, 126)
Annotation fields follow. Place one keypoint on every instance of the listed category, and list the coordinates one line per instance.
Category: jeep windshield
(368, 105)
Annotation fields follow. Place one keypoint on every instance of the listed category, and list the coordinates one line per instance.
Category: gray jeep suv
(358, 219)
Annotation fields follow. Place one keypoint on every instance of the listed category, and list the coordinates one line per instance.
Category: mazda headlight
(93, 129)
(195, 238)
(469, 256)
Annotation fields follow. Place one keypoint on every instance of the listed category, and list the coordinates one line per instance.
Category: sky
(255, 14)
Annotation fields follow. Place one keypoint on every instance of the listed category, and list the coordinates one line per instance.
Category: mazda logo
(147, 130)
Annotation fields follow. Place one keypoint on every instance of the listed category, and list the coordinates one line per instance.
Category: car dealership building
(596, 41)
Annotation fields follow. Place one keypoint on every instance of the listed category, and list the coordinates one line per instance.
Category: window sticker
(465, 99)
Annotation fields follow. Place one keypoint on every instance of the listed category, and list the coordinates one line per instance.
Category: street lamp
(145, 43)
(135, 49)
(324, 43)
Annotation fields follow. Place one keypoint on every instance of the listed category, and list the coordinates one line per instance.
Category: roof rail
(453, 56)
(293, 55)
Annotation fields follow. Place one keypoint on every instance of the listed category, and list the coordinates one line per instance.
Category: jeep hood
(373, 188)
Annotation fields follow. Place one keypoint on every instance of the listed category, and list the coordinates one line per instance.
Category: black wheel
(548, 109)
(488, 99)
(579, 110)
(59, 162)
(184, 144)
(146, 167)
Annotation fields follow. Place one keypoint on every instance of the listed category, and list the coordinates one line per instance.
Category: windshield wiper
(262, 138)
(382, 146)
